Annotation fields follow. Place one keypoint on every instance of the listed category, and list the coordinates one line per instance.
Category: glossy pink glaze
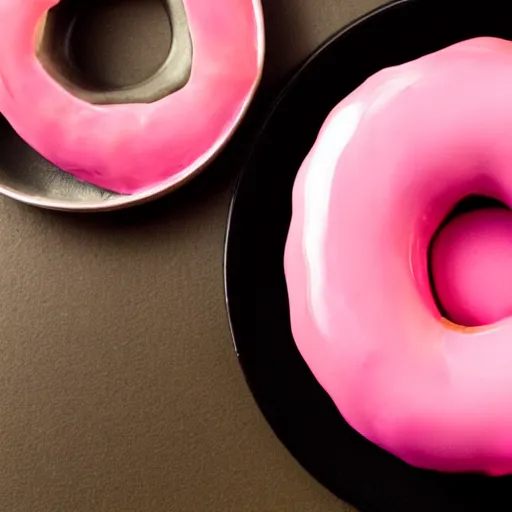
(472, 267)
(133, 147)
(390, 162)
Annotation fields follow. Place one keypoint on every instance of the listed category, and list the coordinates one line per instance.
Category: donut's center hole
(470, 262)
(108, 44)
(117, 51)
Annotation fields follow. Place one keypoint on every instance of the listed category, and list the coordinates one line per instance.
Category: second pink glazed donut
(129, 147)
(390, 163)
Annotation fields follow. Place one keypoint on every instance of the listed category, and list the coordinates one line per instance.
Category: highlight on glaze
(390, 163)
(133, 147)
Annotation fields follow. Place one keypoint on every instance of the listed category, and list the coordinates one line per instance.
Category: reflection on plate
(299, 411)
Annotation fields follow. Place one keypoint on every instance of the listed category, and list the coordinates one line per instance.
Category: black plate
(299, 411)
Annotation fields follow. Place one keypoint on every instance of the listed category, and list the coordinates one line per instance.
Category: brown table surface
(119, 387)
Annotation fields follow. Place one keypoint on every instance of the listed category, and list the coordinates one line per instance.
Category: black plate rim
(267, 118)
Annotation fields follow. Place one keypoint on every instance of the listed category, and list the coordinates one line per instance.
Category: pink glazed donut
(390, 163)
(133, 147)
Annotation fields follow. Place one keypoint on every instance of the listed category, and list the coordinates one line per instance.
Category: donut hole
(469, 204)
(117, 51)
(466, 256)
